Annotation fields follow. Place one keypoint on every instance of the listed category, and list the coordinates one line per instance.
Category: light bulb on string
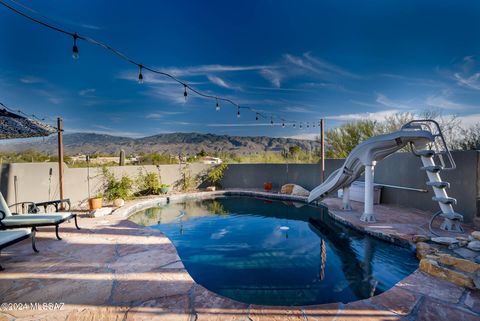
(300, 125)
(185, 91)
(256, 116)
(283, 124)
(294, 125)
(217, 106)
(308, 125)
(238, 111)
(140, 76)
(75, 48)
(271, 121)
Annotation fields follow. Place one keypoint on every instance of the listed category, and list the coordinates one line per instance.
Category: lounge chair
(8, 238)
(9, 220)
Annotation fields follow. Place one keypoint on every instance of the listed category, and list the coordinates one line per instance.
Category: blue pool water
(277, 253)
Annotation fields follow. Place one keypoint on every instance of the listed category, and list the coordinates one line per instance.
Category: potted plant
(267, 186)
(95, 202)
(164, 188)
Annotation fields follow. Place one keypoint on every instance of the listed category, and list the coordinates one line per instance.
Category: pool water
(277, 253)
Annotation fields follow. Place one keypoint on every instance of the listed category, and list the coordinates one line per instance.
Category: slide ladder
(436, 157)
(426, 141)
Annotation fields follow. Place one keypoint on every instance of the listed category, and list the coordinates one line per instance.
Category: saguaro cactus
(122, 158)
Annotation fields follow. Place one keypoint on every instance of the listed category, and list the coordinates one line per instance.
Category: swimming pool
(277, 253)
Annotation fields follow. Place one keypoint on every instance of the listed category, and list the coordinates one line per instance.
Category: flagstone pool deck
(113, 269)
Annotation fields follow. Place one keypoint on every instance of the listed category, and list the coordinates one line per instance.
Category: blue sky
(301, 60)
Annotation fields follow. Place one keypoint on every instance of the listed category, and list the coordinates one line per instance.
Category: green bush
(216, 173)
(148, 184)
(114, 188)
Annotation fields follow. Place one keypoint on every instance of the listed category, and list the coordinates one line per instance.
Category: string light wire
(76, 36)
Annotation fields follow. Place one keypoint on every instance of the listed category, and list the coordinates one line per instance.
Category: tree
(343, 139)
(470, 138)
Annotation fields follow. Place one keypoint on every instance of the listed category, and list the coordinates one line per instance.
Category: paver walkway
(113, 269)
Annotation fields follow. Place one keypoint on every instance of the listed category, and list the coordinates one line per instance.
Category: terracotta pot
(95, 203)
(267, 186)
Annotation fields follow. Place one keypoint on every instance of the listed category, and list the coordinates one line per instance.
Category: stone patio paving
(113, 269)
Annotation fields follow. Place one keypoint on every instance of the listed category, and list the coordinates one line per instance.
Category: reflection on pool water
(277, 253)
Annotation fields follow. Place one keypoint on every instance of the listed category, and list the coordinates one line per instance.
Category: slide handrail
(423, 124)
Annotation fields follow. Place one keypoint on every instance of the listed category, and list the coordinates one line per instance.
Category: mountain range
(172, 143)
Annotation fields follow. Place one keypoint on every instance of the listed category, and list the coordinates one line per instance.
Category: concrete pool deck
(113, 269)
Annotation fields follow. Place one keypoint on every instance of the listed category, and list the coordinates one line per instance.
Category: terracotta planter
(267, 186)
(95, 203)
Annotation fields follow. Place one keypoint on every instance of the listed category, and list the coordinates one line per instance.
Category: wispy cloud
(440, 101)
(381, 115)
(297, 109)
(161, 114)
(471, 82)
(305, 136)
(208, 69)
(469, 120)
(243, 125)
(221, 82)
(272, 75)
(56, 100)
(385, 101)
(86, 92)
(32, 80)
(292, 66)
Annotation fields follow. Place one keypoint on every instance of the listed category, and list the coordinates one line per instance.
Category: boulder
(459, 264)
(294, 189)
(433, 268)
(474, 245)
(476, 235)
(444, 240)
(420, 238)
(104, 211)
(424, 249)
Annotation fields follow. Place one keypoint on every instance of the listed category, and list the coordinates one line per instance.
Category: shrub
(148, 183)
(188, 182)
(216, 173)
(114, 188)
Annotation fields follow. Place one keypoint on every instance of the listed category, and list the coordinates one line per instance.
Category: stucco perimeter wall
(400, 169)
(33, 182)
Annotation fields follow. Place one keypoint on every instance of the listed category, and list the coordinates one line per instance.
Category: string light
(283, 124)
(140, 76)
(308, 125)
(75, 48)
(256, 116)
(75, 55)
(271, 121)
